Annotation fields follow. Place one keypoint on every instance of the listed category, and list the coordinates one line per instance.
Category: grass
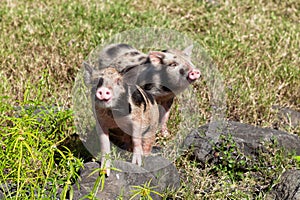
(29, 156)
(254, 44)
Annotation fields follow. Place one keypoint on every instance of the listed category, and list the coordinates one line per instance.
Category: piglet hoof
(105, 166)
(137, 159)
(105, 172)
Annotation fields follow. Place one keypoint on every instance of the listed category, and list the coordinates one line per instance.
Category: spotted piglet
(118, 105)
(166, 74)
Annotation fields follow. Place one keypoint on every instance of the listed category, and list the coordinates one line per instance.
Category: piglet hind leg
(148, 141)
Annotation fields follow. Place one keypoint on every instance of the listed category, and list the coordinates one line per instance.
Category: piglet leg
(148, 141)
(105, 149)
(164, 120)
(137, 146)
(164, 112)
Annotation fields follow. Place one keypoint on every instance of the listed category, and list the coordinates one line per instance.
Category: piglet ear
(188, 50)
(88, 71)
(156, 57)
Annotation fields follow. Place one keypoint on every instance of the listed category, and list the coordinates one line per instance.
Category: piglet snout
(104, 94)
(194, 74)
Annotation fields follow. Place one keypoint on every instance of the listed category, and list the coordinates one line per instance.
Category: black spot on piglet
(150, 97)
(113, 51)
(129, 108)
(100, 82)
(181, 71)
(138, 99)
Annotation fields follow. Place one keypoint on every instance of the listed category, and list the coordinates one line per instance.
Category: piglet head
(107, 85)
(175, 68)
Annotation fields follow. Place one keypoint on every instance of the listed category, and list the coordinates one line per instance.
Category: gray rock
(287, 116)
(248, 138)
(161, 172)
(288, 187)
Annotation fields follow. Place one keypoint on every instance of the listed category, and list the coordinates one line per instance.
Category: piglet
(166, 74)
(127, 107)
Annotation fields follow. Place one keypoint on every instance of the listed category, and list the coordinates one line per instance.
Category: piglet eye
(173, 64)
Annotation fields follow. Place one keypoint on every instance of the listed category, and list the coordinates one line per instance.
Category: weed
(144, 191)
(230, 160)
(297, 158)
(100, 181)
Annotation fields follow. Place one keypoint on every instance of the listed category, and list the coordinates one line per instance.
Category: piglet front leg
(137, 156)
(105, 150)
(137, 146)
(164, 120)
(164, 113)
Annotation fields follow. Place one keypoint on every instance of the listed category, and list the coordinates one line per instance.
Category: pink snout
(104, 94)
(194, 74)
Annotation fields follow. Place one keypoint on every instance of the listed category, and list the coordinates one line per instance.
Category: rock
(288, 187)
(164, 172)
(248, 138)
(160, 171)
(287, 116)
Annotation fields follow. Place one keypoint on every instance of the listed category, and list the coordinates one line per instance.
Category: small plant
(144, 191)
(229, 159)
(297, 158)
(100, 181)
(69, 162)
